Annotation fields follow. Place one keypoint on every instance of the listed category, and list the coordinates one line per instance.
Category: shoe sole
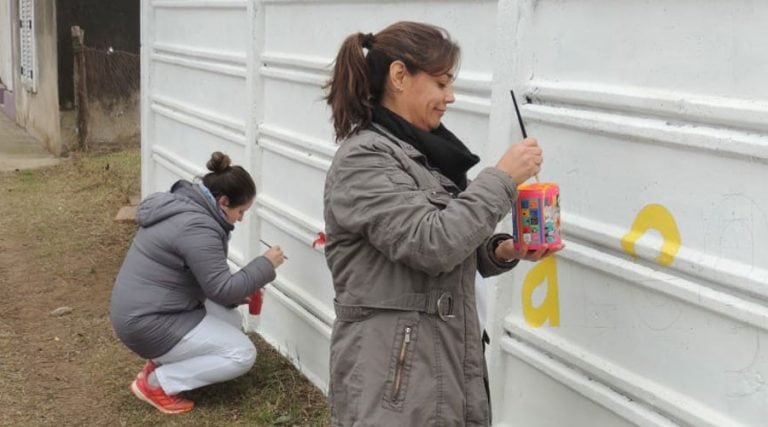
(135, 390)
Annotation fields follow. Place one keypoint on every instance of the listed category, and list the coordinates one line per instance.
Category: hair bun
(219, 162)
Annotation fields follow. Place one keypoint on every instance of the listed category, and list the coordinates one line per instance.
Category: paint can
(254, 307)
(536, 217)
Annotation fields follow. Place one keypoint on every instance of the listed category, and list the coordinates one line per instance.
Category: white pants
(215, 350)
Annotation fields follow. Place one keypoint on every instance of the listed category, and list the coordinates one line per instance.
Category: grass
(61, 247)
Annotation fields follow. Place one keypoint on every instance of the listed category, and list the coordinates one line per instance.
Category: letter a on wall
(544, 272)
(655, 217)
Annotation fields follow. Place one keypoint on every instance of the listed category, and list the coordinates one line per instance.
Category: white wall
(6, 45)
(38, 111)
(652, 116)
(643, 109)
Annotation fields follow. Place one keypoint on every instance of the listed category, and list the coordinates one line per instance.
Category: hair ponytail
(349, 94)
(358, 81)
(228, 180)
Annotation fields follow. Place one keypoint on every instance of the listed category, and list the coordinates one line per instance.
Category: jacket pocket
(401, 364)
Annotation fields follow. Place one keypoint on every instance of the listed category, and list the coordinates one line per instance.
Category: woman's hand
(275, 256)
(522, 160)
(506, 251)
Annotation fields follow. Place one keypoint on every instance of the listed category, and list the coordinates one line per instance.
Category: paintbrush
(520, 120)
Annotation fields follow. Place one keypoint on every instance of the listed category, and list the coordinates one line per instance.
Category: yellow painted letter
(546, 270)
(655, 217)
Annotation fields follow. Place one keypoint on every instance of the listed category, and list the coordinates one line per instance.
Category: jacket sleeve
(371, 194)
(487, 263)
(202, 248)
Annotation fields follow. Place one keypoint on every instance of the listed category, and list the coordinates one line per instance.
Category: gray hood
(184, 196)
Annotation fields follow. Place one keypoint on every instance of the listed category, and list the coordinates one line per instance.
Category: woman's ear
(397, 75)
(223, 201)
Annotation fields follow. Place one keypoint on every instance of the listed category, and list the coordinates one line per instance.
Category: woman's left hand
(506, 251)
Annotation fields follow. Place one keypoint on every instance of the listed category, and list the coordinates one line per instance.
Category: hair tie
(368, 41)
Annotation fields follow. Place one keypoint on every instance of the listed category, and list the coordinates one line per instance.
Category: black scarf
(440, 146)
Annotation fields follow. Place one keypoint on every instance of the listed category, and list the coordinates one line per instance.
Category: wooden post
(81, 87)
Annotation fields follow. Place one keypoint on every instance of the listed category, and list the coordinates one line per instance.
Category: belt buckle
(445, 306)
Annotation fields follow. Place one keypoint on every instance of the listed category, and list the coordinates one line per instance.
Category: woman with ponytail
(174, 298)
(406, 233)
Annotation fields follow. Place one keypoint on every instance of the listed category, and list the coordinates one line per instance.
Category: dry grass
(59, 247)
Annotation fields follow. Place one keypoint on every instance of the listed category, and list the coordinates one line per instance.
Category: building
(36, 68)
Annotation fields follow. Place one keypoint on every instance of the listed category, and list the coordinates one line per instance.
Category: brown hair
(227, 180)
(358, 80)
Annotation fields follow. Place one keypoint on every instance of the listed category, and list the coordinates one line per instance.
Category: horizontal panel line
(466, 81)
(584, 385)
(210, 66)
(473, 90)
(203, 125)
(708, 110)
(291, 153)
(602, 381)
(289, 220)
(216, 57)
(315, 145)
(278, 341)
(200, 4)
(308, 302)
(692, 293)
(212, 118)
(176, 163)
(737, 144)
(294, 76)
(730, 273)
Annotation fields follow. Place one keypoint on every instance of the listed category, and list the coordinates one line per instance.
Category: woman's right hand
(522, 160)
(275, 256)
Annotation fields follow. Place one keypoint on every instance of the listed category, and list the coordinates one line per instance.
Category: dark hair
(358, 80)
(226, 180)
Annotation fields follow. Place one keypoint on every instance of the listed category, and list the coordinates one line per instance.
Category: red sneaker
(174, 404)
(148, 368)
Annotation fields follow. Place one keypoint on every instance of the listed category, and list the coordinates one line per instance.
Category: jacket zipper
(401, 363)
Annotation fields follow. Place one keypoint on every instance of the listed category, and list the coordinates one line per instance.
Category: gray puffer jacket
(178, 258)
(403, 246)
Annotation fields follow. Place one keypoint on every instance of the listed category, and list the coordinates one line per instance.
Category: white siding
(639, 109)
(652, 116)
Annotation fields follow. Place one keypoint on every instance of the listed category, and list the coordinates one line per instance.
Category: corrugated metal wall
(652, 117)
(654, 126)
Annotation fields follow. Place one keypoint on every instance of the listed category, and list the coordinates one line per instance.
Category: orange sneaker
(148, 368)
(174, 404)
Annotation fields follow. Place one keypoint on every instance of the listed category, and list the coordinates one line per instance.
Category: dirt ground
(59, 247)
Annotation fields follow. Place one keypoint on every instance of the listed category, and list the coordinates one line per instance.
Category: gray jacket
(178, 258)
(403, 246)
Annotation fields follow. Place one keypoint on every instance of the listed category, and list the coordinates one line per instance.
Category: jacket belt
(436, 301)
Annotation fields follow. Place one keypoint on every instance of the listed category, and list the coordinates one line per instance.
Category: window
(27, 44)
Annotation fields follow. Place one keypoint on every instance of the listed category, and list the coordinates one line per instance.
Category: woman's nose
(449, 98)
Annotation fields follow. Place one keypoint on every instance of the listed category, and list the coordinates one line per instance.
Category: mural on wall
(549, 309)
(651, 217)
(654, 217)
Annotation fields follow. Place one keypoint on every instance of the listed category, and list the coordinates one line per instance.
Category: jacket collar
(416, 155)
(409, 149)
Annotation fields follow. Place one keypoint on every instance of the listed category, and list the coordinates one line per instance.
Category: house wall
(38, 112)
(6, 45)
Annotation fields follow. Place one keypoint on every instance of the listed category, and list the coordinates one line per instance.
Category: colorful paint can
(536, 217)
